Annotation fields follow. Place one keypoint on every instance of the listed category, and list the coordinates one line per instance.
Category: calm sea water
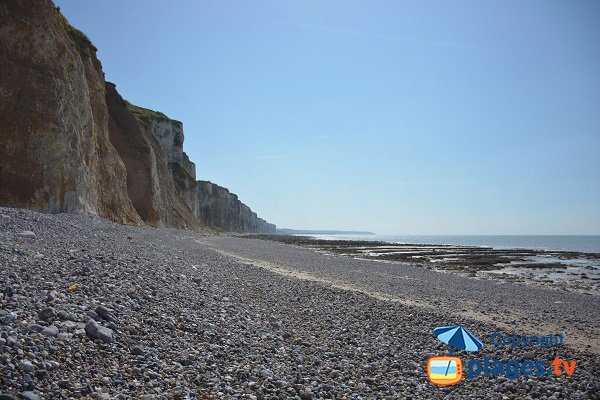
(588, 244)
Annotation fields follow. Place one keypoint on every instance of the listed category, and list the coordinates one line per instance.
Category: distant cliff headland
(70, 143)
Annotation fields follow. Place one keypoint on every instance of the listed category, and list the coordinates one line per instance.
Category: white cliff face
(221, 208)
(169, 135)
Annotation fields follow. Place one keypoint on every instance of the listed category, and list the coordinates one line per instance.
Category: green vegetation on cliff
(146, 115)
(79, 37)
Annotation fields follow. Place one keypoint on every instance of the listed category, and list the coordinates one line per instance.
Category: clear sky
(399, 117)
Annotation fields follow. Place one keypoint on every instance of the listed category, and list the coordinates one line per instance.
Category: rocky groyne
(72, 144)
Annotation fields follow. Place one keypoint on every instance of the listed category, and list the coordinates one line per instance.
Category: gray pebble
(97, 331)
(51, 331)
(306, 394)
(94, 315)
(29, 396)
(47, 314)
(104, 312)
(27, 235)
(26, 365)
(34, 328)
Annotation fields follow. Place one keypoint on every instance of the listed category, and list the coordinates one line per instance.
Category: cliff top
(146, 114)
(80, 38)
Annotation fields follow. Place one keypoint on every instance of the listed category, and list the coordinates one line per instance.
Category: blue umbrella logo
(458, 337)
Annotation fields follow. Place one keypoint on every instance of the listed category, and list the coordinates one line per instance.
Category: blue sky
(399, 117)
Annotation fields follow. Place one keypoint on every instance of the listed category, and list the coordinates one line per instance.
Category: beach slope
(94, 309)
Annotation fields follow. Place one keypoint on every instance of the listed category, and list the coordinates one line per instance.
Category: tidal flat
(563, 270)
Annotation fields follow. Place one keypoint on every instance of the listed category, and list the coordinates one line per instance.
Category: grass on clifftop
(146, 115)
(79, 37)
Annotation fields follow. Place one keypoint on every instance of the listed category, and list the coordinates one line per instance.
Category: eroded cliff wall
(70, 143)
(222, 209)
(167, 134)
(55, 154)
(150, 183)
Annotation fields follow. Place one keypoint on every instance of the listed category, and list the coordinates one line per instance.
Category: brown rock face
(55, 154)
(149, 180)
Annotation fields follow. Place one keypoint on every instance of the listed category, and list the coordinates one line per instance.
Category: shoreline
(502, 303)
(498, 242)
(573, 271)
(576, 339)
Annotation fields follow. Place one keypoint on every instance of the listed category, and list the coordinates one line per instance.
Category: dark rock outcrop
(70, 143)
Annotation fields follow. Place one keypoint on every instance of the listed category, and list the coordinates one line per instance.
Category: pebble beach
(93, 309)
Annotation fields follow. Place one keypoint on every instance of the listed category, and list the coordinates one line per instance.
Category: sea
(579, 243)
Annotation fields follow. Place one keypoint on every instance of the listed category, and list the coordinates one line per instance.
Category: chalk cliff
(55, 153)
(168, 135)
(150, 183)
(222, 209)
(70, 143)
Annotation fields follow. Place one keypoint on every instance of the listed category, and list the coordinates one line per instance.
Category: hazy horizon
(433, 234)
(462, 118)
(436, 234)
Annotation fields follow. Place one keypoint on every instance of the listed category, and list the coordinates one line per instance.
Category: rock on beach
(96, 331)
(27, 235)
